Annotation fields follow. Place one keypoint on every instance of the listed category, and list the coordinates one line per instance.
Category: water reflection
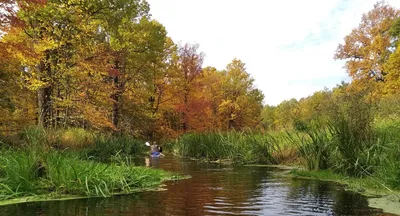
(214, 190)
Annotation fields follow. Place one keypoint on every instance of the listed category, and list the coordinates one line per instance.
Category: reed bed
(61, 163)
(238, 147)
(338, 146)
(26, 173)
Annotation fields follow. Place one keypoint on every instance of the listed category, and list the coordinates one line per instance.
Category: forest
(113, 69)
(102, 77)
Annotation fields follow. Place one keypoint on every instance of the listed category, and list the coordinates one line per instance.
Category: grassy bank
(379, 195)
(91, 144)
(366, 160)
(56, 174)
(350, 150)
(343, 147)
(369, 186)
(41, 165)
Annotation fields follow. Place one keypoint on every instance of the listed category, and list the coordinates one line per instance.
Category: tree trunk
(44, 95)
(185, 109)
(115, 108)
(44, 106)
(230, 124)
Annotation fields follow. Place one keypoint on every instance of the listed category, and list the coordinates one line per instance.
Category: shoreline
(62, 197)
(379, 197)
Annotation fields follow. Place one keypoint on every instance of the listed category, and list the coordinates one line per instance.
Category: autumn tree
(17, 104)
(392, 65)
(189, 66)
(68, 56)
(141, 53)
(367, 47)
(108, 65)
(241, 101)
(211, 78)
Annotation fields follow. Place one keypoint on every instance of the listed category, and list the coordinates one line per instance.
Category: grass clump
(26, 173)
(313, 147)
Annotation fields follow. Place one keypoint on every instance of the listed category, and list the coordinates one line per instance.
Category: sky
(287, 45)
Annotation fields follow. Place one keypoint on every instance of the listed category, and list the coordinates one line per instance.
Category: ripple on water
(215, 190)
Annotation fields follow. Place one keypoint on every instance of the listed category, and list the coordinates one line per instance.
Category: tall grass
(314, 146)
(106, 146)
(70, 162)
(389, 169)
(24, 173)
(97, 146)
(238, 147)
(338, 147)
(347, 150)
(35, 138)
(358, 149)
(18, 174)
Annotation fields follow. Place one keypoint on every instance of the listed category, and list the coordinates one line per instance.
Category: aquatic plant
(314, 147)
(24, 173)
(236, 146)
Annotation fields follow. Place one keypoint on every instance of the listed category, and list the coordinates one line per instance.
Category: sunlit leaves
(366, 48)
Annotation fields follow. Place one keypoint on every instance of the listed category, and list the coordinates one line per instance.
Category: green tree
(268, 115)
(242, 102)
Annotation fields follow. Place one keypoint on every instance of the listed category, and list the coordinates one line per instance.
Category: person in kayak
(155, 149)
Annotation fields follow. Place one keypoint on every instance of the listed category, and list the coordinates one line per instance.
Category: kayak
(155, 154)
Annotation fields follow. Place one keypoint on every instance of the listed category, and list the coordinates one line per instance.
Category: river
(214, 190)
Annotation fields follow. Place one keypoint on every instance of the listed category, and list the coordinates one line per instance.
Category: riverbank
(32, 175)
(379, 195)
(62, 197)
(41, 165)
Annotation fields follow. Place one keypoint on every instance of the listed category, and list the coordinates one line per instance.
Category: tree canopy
(109, 66)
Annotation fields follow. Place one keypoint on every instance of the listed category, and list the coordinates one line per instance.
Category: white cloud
(287, 45)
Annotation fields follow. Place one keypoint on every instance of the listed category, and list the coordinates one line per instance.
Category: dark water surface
(215, 190)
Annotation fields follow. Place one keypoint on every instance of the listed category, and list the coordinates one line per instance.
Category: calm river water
(215, 190)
